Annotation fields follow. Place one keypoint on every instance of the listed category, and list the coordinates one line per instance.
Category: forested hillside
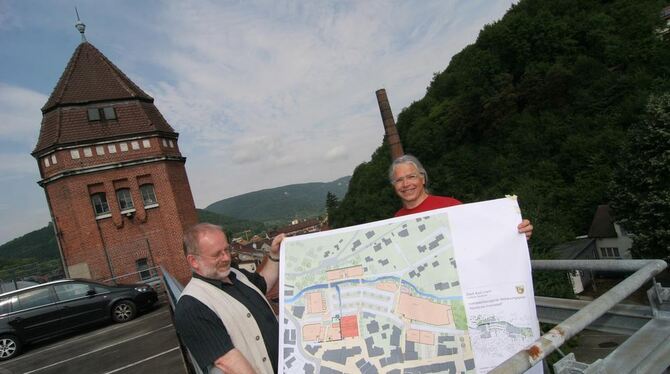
(231, 226)
(278, 206)
(539, 106)
(40, 244)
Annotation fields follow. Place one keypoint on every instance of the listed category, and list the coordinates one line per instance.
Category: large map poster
(446, 291)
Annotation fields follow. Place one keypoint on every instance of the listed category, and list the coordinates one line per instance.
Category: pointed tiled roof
(603, 224)
(91, 77)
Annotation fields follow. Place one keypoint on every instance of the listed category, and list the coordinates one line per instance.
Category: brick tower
(112, 173)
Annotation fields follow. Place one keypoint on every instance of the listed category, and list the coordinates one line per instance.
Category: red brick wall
(64, 160)
(154, 233)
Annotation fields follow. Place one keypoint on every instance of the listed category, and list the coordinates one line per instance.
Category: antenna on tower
(80, 26)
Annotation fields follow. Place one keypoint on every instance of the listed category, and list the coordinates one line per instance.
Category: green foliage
(40, 244)
(277, 206)
(370, 196)
(460, 319)
(539, 107)
(332, 202)
(232, 226)
(35, 253)
(641, 188)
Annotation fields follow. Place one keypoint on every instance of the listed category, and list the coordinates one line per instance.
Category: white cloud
(335, 153)
(8, 19)
(20, 114)
(263, 93)
(273, 90)
(17, 164)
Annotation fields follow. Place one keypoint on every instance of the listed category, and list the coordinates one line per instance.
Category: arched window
(148, 195)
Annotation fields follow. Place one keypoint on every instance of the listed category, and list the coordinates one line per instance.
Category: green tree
(332, 202)
(641, 188)
(538, 106)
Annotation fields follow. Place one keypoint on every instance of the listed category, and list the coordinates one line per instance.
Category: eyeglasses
(218, 255)
(409, 178)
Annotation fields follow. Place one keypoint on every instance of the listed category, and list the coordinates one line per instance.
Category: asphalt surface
(147, 344)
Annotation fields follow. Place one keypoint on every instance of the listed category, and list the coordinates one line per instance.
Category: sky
(262, 93)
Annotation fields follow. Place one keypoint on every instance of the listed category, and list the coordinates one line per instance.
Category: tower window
(109, 112)
(93, 114)
(143, 268)
(101, 114)
(148, 195)
(100, 206)
(125, 200)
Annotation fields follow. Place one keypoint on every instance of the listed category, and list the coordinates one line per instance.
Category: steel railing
(644, 270)
(646, 351)
(174, 289)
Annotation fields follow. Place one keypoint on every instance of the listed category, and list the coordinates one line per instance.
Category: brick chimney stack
(390, 130)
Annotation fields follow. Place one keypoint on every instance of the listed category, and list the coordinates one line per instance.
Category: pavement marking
(141, 361)
(97, 350)
(86, 336)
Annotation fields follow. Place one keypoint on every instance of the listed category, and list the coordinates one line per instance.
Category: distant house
(606, 239)
(612, 241)
(250, 266)
(262, 245)
(300, 227)
(582, 248)
(245, 252)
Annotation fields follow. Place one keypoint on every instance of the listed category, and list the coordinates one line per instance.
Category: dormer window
(109, 112)
(93, 114)
(101, 114)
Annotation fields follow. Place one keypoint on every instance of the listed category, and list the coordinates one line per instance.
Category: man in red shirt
(409, 179)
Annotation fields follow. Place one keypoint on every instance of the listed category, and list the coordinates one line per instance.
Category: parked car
(47, 310)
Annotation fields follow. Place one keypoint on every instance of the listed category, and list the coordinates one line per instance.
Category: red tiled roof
(298, 226)
(91, 77)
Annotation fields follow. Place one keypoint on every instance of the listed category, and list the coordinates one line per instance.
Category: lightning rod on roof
(80, 26)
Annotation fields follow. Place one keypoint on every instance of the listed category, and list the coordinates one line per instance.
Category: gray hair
(192, 237)
(408, 159)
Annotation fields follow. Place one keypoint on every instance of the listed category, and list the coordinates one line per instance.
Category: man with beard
(222, 315)
(409, 179)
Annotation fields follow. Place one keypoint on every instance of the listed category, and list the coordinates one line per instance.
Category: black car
(60, 307)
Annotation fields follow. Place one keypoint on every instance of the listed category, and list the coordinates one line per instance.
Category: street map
(446, 291)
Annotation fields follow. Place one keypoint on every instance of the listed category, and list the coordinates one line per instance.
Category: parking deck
(147, 344)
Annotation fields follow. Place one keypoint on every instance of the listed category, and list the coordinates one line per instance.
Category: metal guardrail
(173, 289)
(646, 351)
(622, 319)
